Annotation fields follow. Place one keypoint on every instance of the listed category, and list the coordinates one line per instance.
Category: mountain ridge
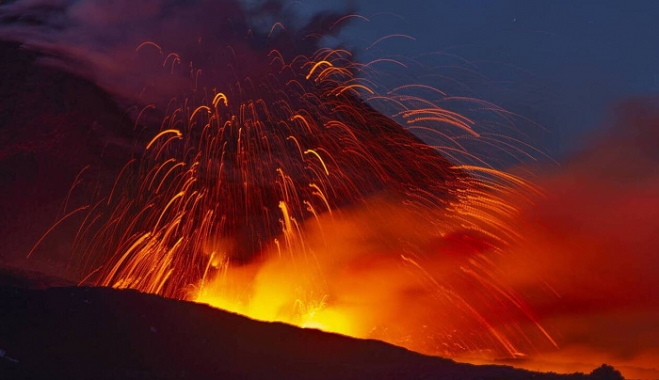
(104, 333)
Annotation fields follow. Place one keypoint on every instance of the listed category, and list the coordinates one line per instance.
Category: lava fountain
(270, 185)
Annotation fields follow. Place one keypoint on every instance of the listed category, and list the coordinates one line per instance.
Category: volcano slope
(102, 333)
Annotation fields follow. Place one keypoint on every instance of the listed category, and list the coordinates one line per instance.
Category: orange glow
(241, 207)
(283, 196)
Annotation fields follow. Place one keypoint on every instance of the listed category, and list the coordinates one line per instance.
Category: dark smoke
(97, 40)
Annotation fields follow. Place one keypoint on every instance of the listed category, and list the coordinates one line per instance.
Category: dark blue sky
(561, 63)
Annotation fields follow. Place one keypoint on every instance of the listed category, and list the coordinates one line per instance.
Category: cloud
(593, 242)
(190, 44)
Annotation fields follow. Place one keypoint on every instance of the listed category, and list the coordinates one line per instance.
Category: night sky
(562, 64)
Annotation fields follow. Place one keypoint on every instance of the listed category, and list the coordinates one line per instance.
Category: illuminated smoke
(592, 240)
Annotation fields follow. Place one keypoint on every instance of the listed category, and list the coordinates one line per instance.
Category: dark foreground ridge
(102, 333)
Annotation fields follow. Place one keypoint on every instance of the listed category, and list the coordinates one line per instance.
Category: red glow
(284, 196)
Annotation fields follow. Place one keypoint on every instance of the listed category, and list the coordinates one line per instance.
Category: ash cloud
(53, 117)
(98, 40)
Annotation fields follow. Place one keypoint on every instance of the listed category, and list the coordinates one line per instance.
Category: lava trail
(275, 176)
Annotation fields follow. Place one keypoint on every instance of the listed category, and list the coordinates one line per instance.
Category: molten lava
(285, 196)
(280, 179)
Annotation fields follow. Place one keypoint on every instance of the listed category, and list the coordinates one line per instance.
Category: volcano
(54, 124)
(243, 154)
(203, 158)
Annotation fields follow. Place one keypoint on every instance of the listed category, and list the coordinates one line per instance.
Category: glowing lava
(285, 180)
(281, 193)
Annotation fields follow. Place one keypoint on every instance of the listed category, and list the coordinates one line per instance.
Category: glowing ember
(286, 197)
(277, 190)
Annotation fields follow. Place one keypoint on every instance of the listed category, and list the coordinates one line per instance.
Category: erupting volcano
(278, 192)
(271, 173)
